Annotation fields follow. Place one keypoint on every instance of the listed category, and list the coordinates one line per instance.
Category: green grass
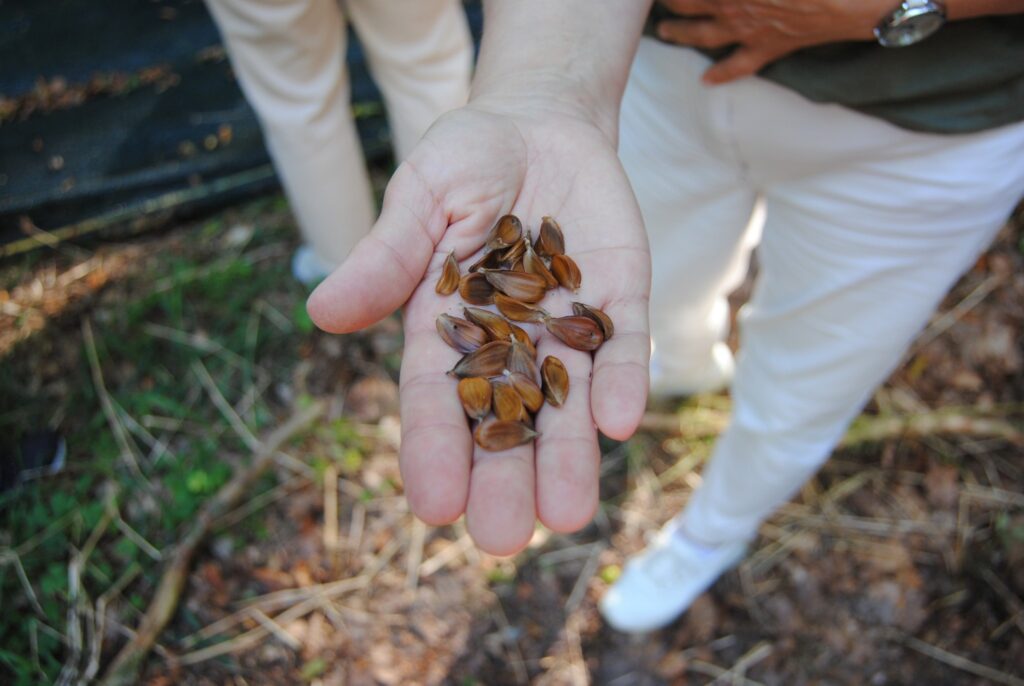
(203, 301)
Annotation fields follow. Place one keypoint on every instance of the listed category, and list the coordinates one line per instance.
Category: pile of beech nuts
(500, 385)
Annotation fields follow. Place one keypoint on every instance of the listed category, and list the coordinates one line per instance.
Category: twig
(355, 529)
(710, 669)
(508, 638)
(877, 429)
(1008, 596)
(69, 673)
(330, 534)
(224, 406)
(294, 464)
(867, 429)
(125, 667)
(137, 538)
(738, 671)
(445, 556)
(577, 663)
(686, 465)
(33, 644)
(691, 422)
(274, 316)
(993, 496)
(275, 628)
(157, 446)
(570, 553)
(260, 501)
(195, 341)
(580, 587)
(100, 619)
(942, 323)
(865, 525)
(953, 660)
(315, 596)
(116, 427)
(412, 565)
(291, 596)
(11, 557)
(28, 545)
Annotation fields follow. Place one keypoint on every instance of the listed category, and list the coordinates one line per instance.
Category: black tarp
(118, 109)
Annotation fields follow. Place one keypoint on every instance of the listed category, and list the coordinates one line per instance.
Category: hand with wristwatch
(743, 36)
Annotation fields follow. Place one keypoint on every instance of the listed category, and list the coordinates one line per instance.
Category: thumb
(387, 264)
(743, 61)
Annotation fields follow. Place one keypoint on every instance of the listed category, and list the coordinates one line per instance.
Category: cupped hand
(474, 165)
(765, 30)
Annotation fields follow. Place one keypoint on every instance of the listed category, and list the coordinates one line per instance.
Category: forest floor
(165, 359)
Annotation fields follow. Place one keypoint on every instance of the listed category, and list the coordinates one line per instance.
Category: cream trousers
(289, 57)
(866, 227)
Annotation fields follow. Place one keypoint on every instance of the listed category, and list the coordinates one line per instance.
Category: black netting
(113, 109)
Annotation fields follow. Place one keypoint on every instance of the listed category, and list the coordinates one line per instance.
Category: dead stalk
(126, 665)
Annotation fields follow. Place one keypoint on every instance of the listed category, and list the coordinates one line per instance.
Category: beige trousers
(289, 57)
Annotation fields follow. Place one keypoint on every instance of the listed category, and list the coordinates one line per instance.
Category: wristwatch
(911, 22)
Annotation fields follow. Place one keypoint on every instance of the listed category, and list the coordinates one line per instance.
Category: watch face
(913, 27)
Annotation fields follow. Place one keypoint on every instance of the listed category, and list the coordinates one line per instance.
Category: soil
(901, 562)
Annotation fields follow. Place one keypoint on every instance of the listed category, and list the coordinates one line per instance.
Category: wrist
(543, 94)
(569, 57)
(859, 19)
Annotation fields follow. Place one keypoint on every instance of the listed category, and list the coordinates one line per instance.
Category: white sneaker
(307, 268)
(714, 375)
(661, 583)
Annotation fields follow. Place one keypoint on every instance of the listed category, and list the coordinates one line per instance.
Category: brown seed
(476, 289)
(505, 232)
(488, 360)
(533, 264)
(603, 320)
(491, 259)
(496, 435)
(496, 326)
(460, 334)
(514, 254)
(520, 335)
(550, 240)
(567, 272)
(528, 288)
(475, 394)
(449, 281)
(581, 333)
(555, 379)
(527, 389)
(521, 360)
(508, 406)
(519, 311)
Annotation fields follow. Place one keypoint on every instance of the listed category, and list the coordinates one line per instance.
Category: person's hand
(765, 30)
(474, 165)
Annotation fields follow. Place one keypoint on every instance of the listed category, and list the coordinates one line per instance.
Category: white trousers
(867, 226)
(289, 57)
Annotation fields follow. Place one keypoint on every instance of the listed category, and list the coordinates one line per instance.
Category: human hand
(474, 165)
(765, 30)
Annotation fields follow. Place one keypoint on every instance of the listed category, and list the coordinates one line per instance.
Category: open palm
(473, 166)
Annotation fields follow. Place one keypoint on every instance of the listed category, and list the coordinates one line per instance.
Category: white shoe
(307, 268)
(713, 375)
(662, 582)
